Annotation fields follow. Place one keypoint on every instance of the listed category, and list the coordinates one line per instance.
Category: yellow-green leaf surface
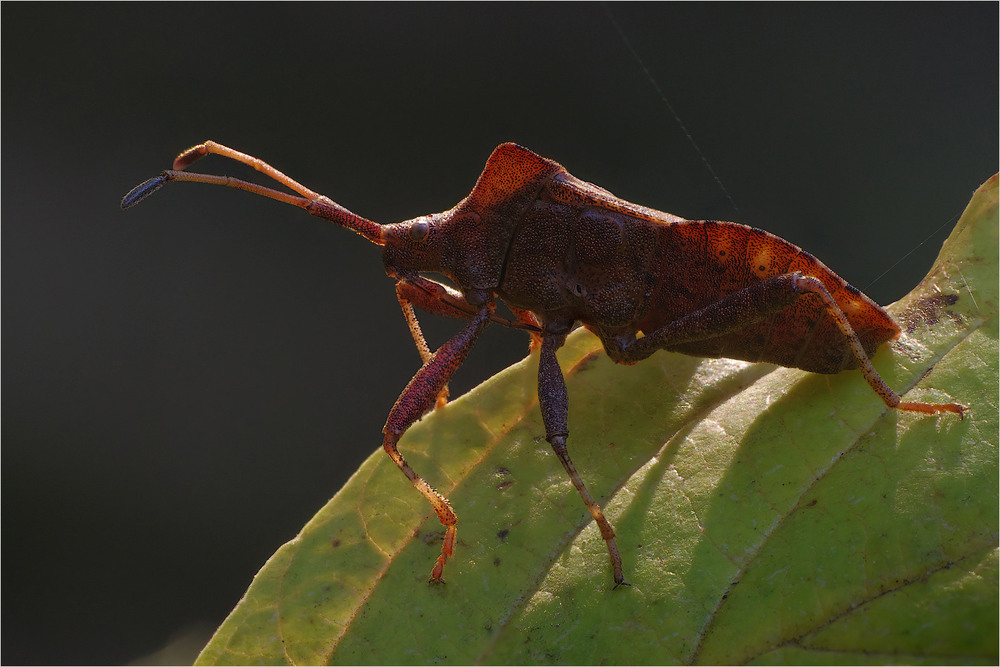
(764, 515)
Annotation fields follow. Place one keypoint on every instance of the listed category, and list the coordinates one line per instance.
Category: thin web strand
(663, 98)
(704, 160)
(949, 221)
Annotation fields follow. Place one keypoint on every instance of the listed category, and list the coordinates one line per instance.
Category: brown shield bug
(559, 251)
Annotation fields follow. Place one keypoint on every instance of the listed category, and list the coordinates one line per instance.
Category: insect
(560, 251)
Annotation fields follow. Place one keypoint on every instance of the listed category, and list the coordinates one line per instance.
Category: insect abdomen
(700, 262)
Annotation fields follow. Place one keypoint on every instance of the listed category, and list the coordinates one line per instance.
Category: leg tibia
(808, 284)
(441, 506)
(607, 531)
(554, 405)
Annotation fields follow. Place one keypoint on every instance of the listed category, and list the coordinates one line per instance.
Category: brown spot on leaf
(503, 477)
(432, 536)
(928, 311)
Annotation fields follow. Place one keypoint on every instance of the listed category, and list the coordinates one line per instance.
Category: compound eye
(419, 230)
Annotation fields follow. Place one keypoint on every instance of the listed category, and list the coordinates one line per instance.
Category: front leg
(433, 297)
(554, 403)
(407, 294)
(751, 305)
(416, 398)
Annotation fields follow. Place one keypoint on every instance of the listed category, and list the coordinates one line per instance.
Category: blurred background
(185, 384)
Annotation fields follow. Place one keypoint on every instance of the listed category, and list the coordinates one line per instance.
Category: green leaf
(764, 515)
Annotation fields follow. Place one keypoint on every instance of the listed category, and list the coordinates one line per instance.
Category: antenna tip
(143, 190)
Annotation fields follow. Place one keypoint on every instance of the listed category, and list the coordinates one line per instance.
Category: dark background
(185, 384)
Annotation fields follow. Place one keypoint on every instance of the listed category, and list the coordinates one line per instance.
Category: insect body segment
(712, 260)
(559, 252)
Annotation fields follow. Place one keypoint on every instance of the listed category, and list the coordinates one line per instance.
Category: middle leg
(554, 403)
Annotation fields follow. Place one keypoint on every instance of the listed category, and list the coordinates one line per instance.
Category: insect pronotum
(559, 252)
